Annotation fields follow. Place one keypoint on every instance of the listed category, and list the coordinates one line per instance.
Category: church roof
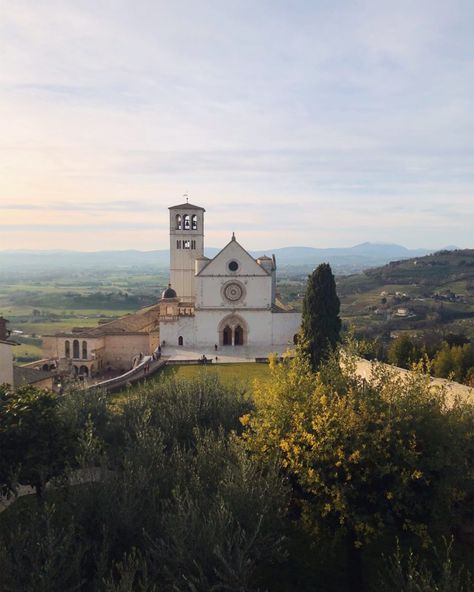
(142, 321)
(186, 206)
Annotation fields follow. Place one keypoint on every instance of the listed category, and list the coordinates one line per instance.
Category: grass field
(229, 374)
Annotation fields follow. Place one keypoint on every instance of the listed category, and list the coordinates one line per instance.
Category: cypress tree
(321, 324)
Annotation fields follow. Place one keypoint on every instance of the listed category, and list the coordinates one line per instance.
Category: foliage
(175, 407)
(36, 443)
(366, 459)
(403, 352)
(321, 324)
(456, 362)
(179, 504)
(40, 555)
(410, 573)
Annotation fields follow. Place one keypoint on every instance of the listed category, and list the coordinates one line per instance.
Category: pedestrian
(215, 347)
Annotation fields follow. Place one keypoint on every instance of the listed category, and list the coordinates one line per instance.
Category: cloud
(326, 113)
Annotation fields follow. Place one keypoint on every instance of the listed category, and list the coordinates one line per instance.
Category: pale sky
(316, 123)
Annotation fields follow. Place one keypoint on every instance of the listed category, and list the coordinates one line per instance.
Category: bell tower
(186, 244)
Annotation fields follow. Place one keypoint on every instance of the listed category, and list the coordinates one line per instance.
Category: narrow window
(84, 350)
(75, 349)
(187, 222)
(186, 244)
(67, 349)
(178, 222)
(178, 244)
(194, 222)
(180, 340)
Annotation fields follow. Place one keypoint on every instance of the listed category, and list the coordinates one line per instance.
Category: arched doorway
(233, 330)
(238, 335)
(227, 336)
(84, 371)
(180, 340)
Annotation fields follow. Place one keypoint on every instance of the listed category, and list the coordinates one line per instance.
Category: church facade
(229, 300)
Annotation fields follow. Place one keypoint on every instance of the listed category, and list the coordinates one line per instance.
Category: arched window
(178, 222)
(67, 348)
(75, 349)
(180, 340)
(84, 350)
(194, 222)
(186, 222)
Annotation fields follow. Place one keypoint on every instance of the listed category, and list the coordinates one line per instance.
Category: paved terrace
(227, 354)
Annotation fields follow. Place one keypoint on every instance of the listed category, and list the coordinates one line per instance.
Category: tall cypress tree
(321, 324)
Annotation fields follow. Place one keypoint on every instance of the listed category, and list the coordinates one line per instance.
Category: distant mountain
(343, 260)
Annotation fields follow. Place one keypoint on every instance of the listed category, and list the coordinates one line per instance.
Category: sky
(319, 123)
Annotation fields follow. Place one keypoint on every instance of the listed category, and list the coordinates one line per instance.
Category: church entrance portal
(233, 331)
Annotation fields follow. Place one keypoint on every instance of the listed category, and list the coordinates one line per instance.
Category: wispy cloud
(329, 122)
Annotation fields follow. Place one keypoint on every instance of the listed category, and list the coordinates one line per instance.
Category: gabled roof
(245, 253)
(186, 206)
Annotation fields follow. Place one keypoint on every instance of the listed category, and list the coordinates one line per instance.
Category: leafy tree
(403, 352)
(366, 459)
(321, 324)
(456, 361)
(36, 443)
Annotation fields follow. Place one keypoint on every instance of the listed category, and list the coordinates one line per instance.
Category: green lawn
(228, 373)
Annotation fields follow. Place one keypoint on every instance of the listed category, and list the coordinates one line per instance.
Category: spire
(233, 236)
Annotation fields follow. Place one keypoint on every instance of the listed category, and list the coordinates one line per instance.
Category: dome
(169, 292)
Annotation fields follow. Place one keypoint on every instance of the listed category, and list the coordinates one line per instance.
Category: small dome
(169, 292)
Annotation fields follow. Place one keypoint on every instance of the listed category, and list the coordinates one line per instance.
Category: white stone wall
(6, 363)
(264, 328)
(285, 326)
(171, 330)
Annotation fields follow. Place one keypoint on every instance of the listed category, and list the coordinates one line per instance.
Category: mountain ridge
(343, 259)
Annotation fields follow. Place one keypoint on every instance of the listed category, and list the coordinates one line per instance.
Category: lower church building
(229, 301)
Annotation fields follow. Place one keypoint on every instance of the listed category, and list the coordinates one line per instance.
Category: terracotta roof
(142, 321)
(187, 206)
(139, 322)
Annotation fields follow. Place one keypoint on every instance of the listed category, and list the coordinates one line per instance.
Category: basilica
(229, 301)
